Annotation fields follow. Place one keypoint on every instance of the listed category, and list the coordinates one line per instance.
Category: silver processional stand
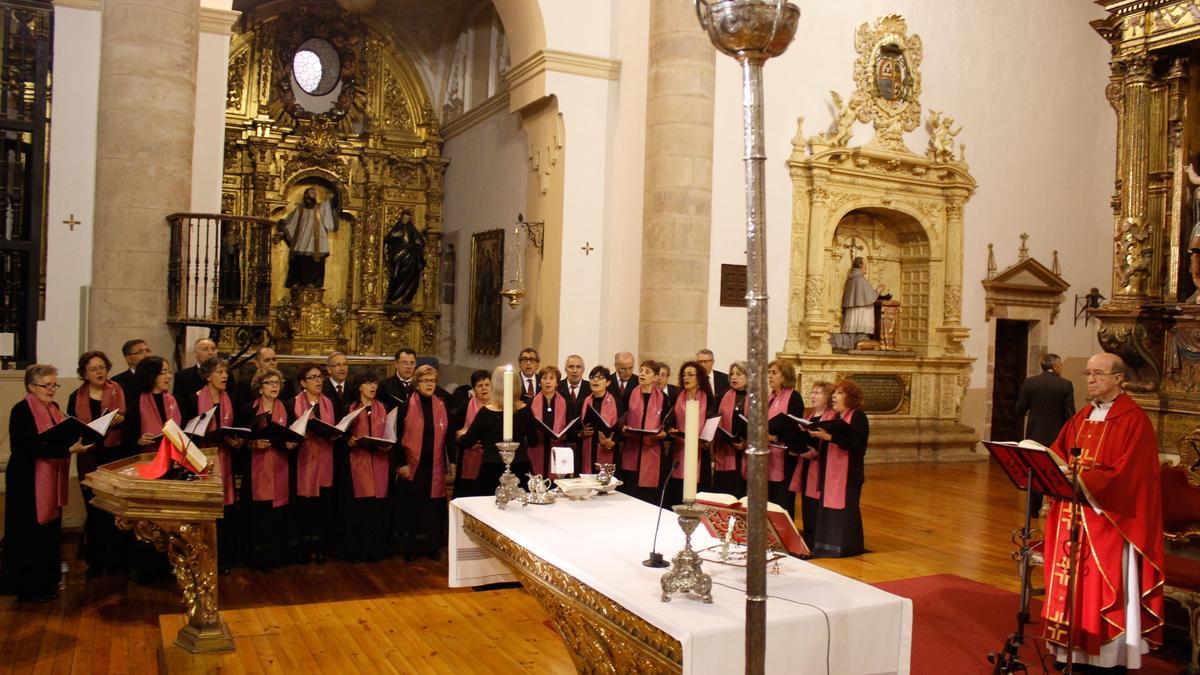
(753, 31)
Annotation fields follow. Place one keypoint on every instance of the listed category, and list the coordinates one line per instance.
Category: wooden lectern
(178, 517)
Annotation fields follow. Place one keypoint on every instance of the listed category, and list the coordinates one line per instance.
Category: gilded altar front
(369, 144)
(1153, 319)
(901, 212)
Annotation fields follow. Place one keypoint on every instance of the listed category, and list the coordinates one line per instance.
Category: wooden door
(1011, 349)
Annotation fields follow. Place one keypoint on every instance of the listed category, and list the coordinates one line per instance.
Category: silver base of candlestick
(685, 575)
(510, 486)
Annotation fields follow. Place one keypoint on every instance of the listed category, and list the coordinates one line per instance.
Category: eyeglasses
(1096, 373)
(313, 378)
(270, 383)
(528, 358)
(48, 387)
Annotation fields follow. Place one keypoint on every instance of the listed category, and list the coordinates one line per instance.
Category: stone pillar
(147, 110)
(678, 185)
(1133, 252)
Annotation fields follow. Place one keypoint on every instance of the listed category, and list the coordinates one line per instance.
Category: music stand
(1040, 469)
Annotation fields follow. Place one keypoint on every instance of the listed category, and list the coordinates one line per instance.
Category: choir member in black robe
(784, 438)
(693, 386)
(574, 387)
(395, 390)
(642, 469)
(244, 392)
(150, 409)
(718, 380)
(214, 374)
(470, 459)
(269, 479)
(597, 446)
(338, 389)
(623, 380)
(312, 521)
(664, 381)
(808, 476)
(729, 444)
(488, 428)
(839, 522)
(421, 465)
(36, 484)
(93, 399)
(368, 530)
(554, 412)
(188, 381)
(529, 364)
(134, 351)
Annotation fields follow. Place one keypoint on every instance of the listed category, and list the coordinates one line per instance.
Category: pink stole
(314, 458)
(414, 431)
(643, 453)
(51, 476)
(369, 468)
(269, 468)
(472, 457)
(152, 423)
(724, 454)
(113, 398)
(204, 402)
(812, 487)
(837, 470)
(591, 445)
(677, 441)
(539, 453)
(777, 406)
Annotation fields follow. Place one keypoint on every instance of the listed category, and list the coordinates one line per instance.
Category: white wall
(485, 190)
(1024, 78)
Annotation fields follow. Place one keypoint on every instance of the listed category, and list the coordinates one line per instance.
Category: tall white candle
(508, 403)
(691, 449)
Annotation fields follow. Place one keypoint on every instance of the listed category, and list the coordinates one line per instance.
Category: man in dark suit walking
(1049, 400)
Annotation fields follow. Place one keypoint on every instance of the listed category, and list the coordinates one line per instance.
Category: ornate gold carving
(888, 80)
(602, 636)
(814, 293)
(1134, 253)
(941, 138)
(953, 304)
(236, 83)
(395, 105)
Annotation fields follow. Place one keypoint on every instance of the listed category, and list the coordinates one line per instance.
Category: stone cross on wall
(1023, 252)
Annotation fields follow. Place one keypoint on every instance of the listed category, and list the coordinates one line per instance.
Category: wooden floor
(397, 617)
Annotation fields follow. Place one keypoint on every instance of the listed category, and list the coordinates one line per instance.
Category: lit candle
(729, 531)
(508, 410)
(691, 449)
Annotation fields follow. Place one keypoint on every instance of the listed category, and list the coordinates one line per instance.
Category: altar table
(583, 562)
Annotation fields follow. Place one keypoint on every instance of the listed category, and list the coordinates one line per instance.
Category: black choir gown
(838, 533)
(102, 541)
(145, 563)
(487, 429)
(731, 482)
(788, 433)
(31, 563)
(422, 530)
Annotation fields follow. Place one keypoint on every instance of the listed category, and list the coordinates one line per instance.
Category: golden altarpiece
(902, 212)
(369, 141)
(1152, 319)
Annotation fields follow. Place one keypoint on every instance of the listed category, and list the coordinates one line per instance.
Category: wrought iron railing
(219, 274)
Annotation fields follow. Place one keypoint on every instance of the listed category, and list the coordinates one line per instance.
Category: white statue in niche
(858, 308)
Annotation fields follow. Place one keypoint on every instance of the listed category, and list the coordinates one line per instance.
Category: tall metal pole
(753, 31)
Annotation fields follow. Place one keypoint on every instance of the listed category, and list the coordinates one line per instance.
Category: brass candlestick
(510, 486)
(685, 575)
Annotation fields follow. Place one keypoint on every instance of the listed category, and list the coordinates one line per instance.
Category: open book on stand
(1027, 460)
(782, 534)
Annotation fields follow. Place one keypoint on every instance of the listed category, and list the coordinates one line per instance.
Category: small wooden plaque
(733, 285)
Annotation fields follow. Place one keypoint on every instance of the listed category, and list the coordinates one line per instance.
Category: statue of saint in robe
(306, 230)
(858, 302)
(405, 249)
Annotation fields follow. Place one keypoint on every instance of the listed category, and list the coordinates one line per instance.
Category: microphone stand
(1072, 558)
(1008, 659)
(656, 559)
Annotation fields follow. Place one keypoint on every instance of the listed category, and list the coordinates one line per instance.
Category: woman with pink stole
(470, 459)
(269, 480)
(693, 386)
(641, 453)
(808, 476)
(595, 446)
(96, 397)
(145, 419)
(367, 531)
(487, 429)
(784, 438)
(214, 372)
(839, 530)
(36, 483)
(312, 519)
(729, 448)
(422, 466)
(552, 409)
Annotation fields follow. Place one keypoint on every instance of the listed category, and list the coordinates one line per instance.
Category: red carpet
(957, 622)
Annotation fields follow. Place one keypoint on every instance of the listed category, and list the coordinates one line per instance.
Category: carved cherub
(941, 137)
(842, 128)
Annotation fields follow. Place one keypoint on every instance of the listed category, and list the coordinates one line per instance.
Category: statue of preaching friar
(405, 250)
(306, 230)
(858, 308)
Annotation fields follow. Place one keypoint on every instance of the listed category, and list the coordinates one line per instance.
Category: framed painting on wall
(487, 277)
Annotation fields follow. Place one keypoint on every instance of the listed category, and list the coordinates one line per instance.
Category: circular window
(316, 66)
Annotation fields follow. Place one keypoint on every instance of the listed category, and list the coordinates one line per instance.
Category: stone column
(1134, 250)
(147, 110)
(678, 185)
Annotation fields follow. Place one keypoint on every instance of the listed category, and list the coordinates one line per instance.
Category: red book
(782, 534)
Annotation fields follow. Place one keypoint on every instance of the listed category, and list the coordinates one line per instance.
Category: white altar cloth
(602, 542)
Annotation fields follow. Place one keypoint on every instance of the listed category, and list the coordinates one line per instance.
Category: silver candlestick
(510, 486)
(685, 575)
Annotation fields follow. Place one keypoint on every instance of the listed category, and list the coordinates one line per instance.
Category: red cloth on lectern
(1120, 471)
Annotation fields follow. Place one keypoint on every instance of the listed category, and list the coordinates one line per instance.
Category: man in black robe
(623, 380)
(134, 351)
(573, 387)
(529, 362)
(398, 388)
(718, 380)
(187, 382)
(337, 383)
(1049, 400)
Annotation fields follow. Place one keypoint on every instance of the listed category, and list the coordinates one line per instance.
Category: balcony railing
(220, 271)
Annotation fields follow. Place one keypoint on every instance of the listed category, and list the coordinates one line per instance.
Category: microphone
(656, 559)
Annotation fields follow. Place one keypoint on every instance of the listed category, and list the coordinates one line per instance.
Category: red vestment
(1120, 473)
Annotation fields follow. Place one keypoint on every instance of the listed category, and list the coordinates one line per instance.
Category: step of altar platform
(451, 632)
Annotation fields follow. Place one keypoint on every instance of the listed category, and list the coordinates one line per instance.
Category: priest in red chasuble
(1119, 583)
